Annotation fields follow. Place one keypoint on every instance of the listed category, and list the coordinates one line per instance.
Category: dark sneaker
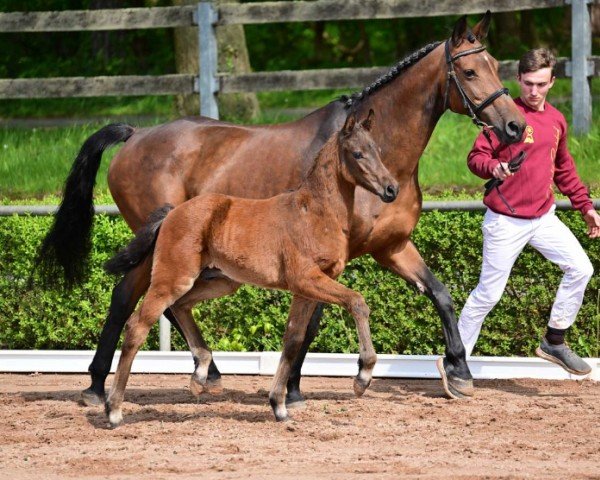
(562, 355)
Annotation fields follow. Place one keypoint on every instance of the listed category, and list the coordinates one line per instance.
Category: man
(521, 212)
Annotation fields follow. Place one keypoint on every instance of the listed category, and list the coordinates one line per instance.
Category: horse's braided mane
(396, 70)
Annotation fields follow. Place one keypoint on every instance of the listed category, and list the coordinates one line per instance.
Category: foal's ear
(460, 29)
(367, 123)
(481, 29)
(350, 123)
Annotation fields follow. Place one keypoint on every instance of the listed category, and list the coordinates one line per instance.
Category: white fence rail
(265, 363)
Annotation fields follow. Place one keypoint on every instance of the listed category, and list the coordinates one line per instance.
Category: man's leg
(556, 242)
(503, 240)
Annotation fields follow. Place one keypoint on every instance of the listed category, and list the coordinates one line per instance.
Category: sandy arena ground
(399, 429)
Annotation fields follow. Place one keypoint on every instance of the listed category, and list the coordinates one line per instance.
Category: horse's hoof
(295, 404)
(214, 387)
(294, 399)
(455, 388)
(89, 398)
(360, 386)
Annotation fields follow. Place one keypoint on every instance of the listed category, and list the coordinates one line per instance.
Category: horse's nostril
(391, 191)
(513, 130)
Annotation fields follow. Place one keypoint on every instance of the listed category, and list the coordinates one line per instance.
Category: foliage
(403, 321)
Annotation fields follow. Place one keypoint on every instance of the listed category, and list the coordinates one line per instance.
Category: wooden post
(581, 50)
(208, 83)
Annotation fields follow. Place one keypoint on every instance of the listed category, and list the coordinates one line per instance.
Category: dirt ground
(399, 429)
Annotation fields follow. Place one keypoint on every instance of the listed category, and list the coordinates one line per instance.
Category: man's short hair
(536, 59)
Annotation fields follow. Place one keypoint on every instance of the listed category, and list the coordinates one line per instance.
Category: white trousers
(503, 240)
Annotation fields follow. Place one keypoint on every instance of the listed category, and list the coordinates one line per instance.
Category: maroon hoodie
(529, 191)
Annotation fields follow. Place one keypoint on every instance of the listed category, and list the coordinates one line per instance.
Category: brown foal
(296, 241)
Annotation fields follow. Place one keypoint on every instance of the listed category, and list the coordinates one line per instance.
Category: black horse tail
(141, 246)
(65, 249)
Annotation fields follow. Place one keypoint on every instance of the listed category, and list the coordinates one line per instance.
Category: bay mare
(295, 241)
(179, 160)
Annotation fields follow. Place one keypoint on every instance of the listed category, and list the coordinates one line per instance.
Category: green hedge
(403, 321)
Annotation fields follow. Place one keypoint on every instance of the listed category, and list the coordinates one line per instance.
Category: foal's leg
(318, 286)
(174, 274)
(124, 298)
(206, 376)
(136, 331)
(201, 353)
(406, 261)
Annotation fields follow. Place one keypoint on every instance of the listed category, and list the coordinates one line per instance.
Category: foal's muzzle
(390, 193)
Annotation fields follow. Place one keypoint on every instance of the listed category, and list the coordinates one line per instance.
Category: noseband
(474, 110)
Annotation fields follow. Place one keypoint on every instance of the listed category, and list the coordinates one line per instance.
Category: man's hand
(501, 171)
(592, 219)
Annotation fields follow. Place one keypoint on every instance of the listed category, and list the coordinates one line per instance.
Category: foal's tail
(141, 246)
(66, 247)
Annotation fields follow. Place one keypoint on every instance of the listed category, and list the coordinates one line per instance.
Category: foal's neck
(326, 183)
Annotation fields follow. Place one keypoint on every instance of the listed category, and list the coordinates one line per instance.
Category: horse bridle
(473, 109)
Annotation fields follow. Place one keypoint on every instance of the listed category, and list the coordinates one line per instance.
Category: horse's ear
(350, 123)
(481, 29)
(367, 123)
(459, 31)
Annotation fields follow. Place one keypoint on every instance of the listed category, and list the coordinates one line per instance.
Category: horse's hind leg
(406, 261)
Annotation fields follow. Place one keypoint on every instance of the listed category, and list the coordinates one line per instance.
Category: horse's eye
(357, 155)
(469, 73)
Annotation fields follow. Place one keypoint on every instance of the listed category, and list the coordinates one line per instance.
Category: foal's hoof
(115, 417)
(279, 411)
(454, 387)
(91, 399)
(360, 386)
(196, 387)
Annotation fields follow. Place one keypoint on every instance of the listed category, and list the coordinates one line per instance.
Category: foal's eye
(357, 155)
(469, 73)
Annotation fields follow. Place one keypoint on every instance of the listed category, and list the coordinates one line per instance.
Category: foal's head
(361, 160)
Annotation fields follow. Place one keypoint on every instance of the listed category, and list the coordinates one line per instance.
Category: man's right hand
(501, 171)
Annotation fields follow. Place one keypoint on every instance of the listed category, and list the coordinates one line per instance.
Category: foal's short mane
(395, 71)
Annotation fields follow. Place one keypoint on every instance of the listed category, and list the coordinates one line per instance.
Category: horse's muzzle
(390, 193)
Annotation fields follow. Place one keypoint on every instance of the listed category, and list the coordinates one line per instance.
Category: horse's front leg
(293, 338)
(294, 398)
(406, 261)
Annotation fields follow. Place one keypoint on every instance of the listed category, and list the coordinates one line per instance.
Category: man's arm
(568, 182)
(566, 178)
(483, 162)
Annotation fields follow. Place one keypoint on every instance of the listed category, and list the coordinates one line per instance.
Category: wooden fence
(209, 83)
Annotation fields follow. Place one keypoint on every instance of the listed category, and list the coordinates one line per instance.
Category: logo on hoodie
(528, 134)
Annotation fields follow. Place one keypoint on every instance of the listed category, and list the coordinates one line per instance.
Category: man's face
(535, 87)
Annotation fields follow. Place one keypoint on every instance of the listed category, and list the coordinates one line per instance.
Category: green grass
(35, 162)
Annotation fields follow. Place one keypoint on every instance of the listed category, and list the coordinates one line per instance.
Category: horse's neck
(326, 185)
(407, 111)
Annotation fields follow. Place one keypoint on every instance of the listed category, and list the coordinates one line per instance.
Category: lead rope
(494, 183)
